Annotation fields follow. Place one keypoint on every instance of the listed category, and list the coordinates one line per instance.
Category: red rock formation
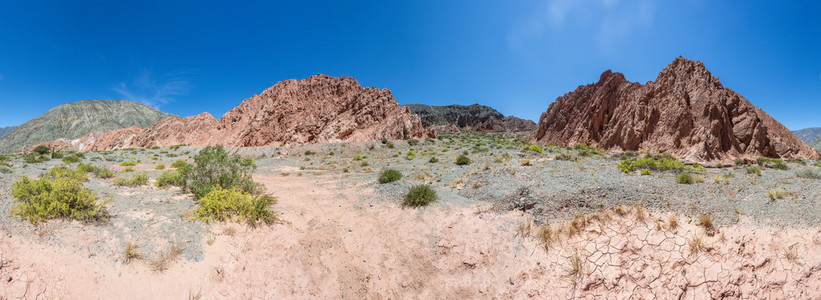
(685, 112)
(317, 109)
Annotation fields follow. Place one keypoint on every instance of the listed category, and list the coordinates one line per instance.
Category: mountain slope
(73, 120)
(475, 116)
(317, 109)
(6, 130)
(808, 135)
(685, 112)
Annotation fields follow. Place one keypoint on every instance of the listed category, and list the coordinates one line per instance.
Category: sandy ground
(329, 246)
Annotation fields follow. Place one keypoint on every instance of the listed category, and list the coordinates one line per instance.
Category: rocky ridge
(318, 109)
(476, 117)
(685, 112)
(73, 120)
(6, 130)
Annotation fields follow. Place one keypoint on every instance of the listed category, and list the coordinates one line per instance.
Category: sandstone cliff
(685, 112)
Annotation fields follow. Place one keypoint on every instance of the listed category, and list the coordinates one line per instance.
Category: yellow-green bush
(179, 164)
(129, 163)
(136, 180)
(58, 194)
(660, 162)
(233, 204)
(533, 148)
(170, 178)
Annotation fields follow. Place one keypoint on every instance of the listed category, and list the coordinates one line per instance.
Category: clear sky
(516, 56)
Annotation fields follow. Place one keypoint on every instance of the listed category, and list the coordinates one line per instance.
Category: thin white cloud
(152, 91)
(613, 20)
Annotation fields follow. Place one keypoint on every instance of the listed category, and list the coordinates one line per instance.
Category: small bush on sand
(214, 167)
(105, 173)
(389, 175)
(4, 169)
(33, 158)
(462, 160)
(178, 164)
(658, 162)
(685, 178)
(58, 194)
(754, 170)
(413, 142)
(780, 165)
(131, 253)
(170, 178)
(135, 180)
(160, 167)
(533, 148)
(41, 150)
(230, 204)
(129, 163)
(71, 159)
(811, 173)
(433, 160)
(420, 195)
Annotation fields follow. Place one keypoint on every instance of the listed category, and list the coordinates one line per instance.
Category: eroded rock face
(685, 112)
(477, 117)
(317, 109)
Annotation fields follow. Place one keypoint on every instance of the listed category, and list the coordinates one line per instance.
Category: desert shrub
(365, 164)
(754, 170)
(389, 175)
(129, 163)
(32, 158)
(42, 150)
(780, 165)
(812, 173)
(215, 167)
(358, 158)
(645, 172)
(533, 148)
(740, 162)
(410, 155)
(685, 178)
(57, 155)
(462, 160)
(58, 194)
(178, 164)
(105, 173)
(88, 168)
(564, 156)
(413, 142)
(229, 204)
(135, 180)
(170, 178)
(160, 167)
(128, 169)
(776, 193)
(698, 168)
(433, 160)
(309, 152)
(660, 162)
(71, 159)
(5, 169)
(420, 195)
(585, 150)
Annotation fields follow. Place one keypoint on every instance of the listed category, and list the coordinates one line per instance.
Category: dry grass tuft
(131, 252)
(524, 228)
(165, 258)
(576, 265)
(791, 254)
(696, 245)
(672, 223)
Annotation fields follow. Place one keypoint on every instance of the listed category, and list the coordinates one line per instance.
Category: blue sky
(516, 56)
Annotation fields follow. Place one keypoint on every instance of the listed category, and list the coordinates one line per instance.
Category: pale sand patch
(329, 246)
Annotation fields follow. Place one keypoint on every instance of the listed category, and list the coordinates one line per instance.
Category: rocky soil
(686, 112)
(476, 117)
(6, 130)
(74, 120)
(565, 223)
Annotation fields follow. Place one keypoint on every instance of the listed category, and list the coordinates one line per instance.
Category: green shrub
(645, 172)
(105, 173)
(309, 152)
(754, 170)
(358, 158)
(413, 142)
(410, 155)
(660, 162)
(565, 156)
(160, 167)
(71, 159)
(533, 148)
(88, 168)
(780, 165)
(433, 160)
(170, 178)
(58, 194)
(5, 169)
(685, 178)
(214, 167)
(42, 150)
(740, 162)
(462, 160)
(230, 204)
(420, 195)
(135, 180)
(32, 158)
(365, 164)
(811, 173)
(390, 145)
(178, 164)
(389, 175)
(129, 163)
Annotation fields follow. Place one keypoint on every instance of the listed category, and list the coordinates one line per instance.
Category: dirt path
(330, 245)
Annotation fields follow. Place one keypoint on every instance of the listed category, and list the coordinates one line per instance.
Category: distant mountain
(6, 130)
(73, 120)
(477, 117)
(808, 135)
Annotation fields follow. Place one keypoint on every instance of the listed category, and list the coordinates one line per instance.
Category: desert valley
(679, 188)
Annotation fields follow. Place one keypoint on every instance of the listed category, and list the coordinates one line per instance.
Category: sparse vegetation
(234, 204)
(420, 195)
(179, 164)
(389, 175)
(42, 150)
(754, 170)
(170, 178)
(462, 160)
(129, 163)
(214, 167)
(135, 180)
(131, 253)
(58, 194)
(533, 148)
(160, 167)
(659, 162)
(811, 173)
(685, 178)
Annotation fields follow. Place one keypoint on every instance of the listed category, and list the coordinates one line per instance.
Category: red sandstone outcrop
(685, 112)
(317, 109)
